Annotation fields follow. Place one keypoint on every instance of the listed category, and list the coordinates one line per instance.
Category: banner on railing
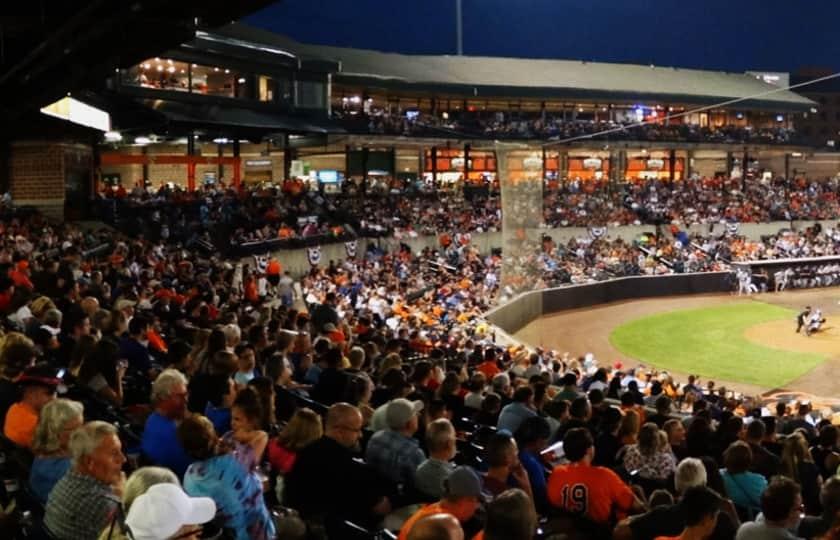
(350, 248)
(314, 255)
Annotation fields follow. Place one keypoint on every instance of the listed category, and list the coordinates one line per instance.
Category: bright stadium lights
(142, 140)
(113, 136)
(221, 140)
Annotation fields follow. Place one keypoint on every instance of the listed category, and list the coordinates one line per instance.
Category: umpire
(802, 318)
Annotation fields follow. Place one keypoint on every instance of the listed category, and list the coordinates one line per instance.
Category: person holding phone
(102, 371)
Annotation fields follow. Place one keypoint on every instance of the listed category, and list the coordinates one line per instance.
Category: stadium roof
(481, 76)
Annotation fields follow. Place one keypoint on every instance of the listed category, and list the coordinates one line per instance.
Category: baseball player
(803, 316)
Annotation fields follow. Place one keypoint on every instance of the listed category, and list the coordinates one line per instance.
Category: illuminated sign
(73, 110)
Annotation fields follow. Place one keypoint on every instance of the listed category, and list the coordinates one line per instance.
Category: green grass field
(710, 342)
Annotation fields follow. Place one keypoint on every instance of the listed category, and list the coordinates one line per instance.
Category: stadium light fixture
(113, 136)
(142, 140)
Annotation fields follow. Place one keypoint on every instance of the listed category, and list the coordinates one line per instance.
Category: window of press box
(220, 81)
(168, 74)
(159, 73)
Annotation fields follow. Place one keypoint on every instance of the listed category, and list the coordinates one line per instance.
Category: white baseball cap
(164, 509)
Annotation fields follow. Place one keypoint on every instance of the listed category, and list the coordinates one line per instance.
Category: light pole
(459, 29)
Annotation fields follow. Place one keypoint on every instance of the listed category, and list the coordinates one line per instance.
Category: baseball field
(749, 344)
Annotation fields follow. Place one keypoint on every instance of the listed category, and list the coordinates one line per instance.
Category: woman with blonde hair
(305, 427)
(391, 361)
(56, 422)
(798, 465)
(651, 456)
(628, 429)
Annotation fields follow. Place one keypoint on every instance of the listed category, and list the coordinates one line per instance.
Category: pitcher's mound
(782, 335)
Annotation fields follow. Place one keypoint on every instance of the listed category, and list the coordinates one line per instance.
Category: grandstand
(340, 294)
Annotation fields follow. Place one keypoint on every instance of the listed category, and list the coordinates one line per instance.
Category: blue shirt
(536, 474)
(160, 444)
(45, 474)
(514, 414)
(238, 495)
(745, 488)
(137, 354)
(220, 416)
(394, 455)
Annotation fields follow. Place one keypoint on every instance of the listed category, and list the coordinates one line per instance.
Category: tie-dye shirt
(238, 495)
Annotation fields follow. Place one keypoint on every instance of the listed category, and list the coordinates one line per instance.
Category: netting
(520, 174)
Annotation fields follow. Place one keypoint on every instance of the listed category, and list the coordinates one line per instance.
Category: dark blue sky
(733, 35)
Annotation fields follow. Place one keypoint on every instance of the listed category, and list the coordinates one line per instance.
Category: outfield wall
(514, 315)
(295, 260)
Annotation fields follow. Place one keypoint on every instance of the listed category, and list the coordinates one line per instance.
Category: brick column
(38, 172)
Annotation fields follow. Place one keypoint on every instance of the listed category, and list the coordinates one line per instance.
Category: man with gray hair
(85, 500)
(160, 442)
(440, 442)
(670, 520)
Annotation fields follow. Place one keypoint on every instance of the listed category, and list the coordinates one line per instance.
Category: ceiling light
(113, 136)
(171, 69)
(160, 68)
(241, 80)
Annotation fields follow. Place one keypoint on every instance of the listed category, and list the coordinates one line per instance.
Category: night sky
(731, 35)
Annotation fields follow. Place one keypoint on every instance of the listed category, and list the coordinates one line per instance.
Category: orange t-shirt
(21, 420)
(427, 510)
(490, 369)
(479, 536)
(593, 491)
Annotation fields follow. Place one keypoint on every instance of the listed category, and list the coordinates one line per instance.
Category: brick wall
(38, 172)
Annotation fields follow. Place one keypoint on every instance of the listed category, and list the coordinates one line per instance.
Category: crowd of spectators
(551, 126)
(216, 218)
(250, 407)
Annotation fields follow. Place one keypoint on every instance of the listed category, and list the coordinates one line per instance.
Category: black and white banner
(732, 227)
(350, 248)
(597, 232)
(314, 255)
(261, 263)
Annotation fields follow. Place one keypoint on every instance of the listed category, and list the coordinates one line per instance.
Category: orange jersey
(593, 491)
(427, 510)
